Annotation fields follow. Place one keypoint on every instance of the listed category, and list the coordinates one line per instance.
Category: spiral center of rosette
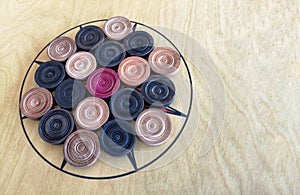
(90, 37)
(105, 84)
(69, 92)
(61, 48)
(81, 148)
(35, 102)
(111, 53)
(50, 73)
(117, 137)
(118, 27)
(152, 125)
(81, 64)
(155, 127)
(125, 104)
(160, 91)
(133, 70)
(93, 113)
(166, 61)
(56, 124)
(139, 43)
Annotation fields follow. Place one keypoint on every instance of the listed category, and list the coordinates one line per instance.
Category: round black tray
(169, 109)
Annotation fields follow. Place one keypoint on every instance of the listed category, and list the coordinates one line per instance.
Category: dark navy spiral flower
(139, 43)
(109, 53)
(50, 74)
(117, 138)
(126, 104)
(56, 125)
(158, 90)
(89, 37)
(69, 93)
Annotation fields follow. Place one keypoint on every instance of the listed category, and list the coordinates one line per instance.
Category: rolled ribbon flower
(82, 148)
(103, 83)
(61, 48)
(91, 113)
(36, 102)
(153, 127)
(117, 28)
(164, 61)
(80, 65)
